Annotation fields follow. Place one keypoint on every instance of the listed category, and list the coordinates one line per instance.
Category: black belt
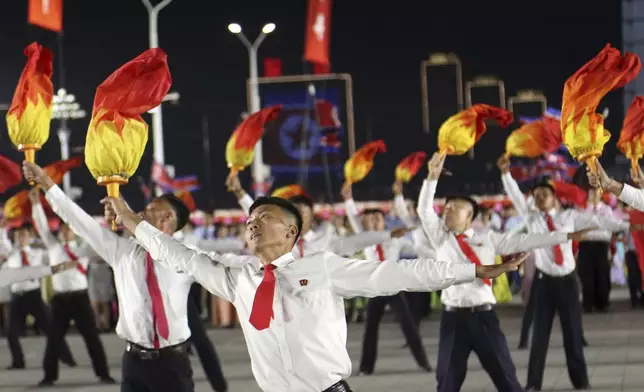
(471, 309)
(152, 353)
(340, 386)
(543, 275)
(75, 292)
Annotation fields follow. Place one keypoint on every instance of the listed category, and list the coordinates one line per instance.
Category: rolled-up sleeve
(633, 197)
(245, 203)
(205, 269)
(353, 277)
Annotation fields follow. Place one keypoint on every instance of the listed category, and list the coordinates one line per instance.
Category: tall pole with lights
(65, 108)
(257, 171)
(157, 117)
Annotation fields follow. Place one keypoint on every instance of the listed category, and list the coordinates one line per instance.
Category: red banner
(272, 67)
(318, 32)
(47, 14)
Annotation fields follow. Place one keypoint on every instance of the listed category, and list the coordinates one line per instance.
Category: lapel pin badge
(304, 282)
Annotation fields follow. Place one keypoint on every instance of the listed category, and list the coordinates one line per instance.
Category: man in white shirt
(323, 239)
(153, 297)
(628, 194)
(469, 322)
(70, 300)
(292, 310)
(593, 264)
(557, 290)
(374, 219)
(9, 276)
(27, 297)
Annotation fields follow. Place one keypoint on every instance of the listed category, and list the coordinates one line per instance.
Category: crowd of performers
(287, 281)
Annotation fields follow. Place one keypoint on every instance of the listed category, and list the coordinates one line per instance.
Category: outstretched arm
(353, 215)
(9, 276)
(510, 243)
(400, 206)
(107, 244)
(39, 218)
(512, 188)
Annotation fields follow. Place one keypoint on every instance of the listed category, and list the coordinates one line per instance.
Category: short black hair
(468, 199)
(544, 183)
(302, 199)
(285, 205)
(368, 211)
(180, 209)
(23, 226)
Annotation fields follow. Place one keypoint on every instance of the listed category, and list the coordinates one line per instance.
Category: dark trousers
(462, 332)
(74, 306)
(634, 278)
(557, 295)
(419, 304)
(594, 271)
(375, 310)
(205, 349)
(528, 317)
(22, 305)
(169, 372)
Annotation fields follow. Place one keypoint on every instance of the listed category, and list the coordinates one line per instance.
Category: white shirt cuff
(629, 194)
(464, 273)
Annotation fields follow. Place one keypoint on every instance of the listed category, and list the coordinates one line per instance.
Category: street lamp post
(257, 169)
(157, 117)
(66, 108)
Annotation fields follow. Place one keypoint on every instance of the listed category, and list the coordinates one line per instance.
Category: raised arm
(512, 242)
(351, 277)
(222, 245)
(5, 244)
(432, 223)
(512, 188)
(39, 218)
(9, 276)
(107, 244)
(350, 208)
(234, 187)
(400, 206)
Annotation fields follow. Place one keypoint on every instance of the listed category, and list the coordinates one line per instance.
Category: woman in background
(101, 293)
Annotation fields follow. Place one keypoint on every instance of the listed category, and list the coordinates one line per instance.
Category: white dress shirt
(36, 257)
(128, 261)
(422, 243)
(566, 221)
(9, 276)
(633, 197)
(5, 244)
(602, 235)
(304, 349)
(219, 245)
(74, 279)
(326, 239)
(486, 245)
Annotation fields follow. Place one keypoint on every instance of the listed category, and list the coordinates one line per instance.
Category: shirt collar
(308, 236)
(467, 233)
(280, 262)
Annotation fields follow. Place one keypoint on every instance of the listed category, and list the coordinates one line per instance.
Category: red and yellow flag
(240, 149)
(631, 139)
(10, 174)
(29, 116)
(17, 208)
(56, 171)
(567, 192)
(582, 130)
(289, 191)
(460, 132)
(47, 14)
(532, 140)
(409, 166)
(361, 162)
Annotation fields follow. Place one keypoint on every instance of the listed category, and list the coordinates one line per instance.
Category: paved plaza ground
(615, 358)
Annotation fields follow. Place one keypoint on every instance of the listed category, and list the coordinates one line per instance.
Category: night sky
(528, 44)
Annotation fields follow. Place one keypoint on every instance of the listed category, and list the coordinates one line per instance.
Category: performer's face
(65, 233)
(376, 221)
(544, 198)
(270, 226)
(458, 215)
(159, 213)
(23, 237)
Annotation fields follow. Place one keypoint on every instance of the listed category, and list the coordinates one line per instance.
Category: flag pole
(205, 133)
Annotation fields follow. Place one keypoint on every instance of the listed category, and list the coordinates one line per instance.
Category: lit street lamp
(258, 171)
(66, 108)
(157, 118)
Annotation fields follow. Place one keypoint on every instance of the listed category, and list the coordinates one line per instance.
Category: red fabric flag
(533, 139)
(360, 163)
(567, 192)
(10, 174)
(56, 171)
(318, 32)
(240, 148)
(47, 14)
(637, 218)
(187, 199)
(289, 191)
(409, 166)
(18, 207)
(631, 140)
(272, 67)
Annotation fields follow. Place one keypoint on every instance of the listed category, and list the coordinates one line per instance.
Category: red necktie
(300, 246)
(555, 249)
(381, 252)
(25, 260)
(73, 257)
(262, 312)
(469, 253)
(159, 319)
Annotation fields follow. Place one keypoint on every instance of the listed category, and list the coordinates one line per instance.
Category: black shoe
(365, 373)
(16, 367)
(428, 368)
(531, 389)
(106, 380)
(584, 342)
(71, 364)
(46, 383)
(583, 387)
(522, 346)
